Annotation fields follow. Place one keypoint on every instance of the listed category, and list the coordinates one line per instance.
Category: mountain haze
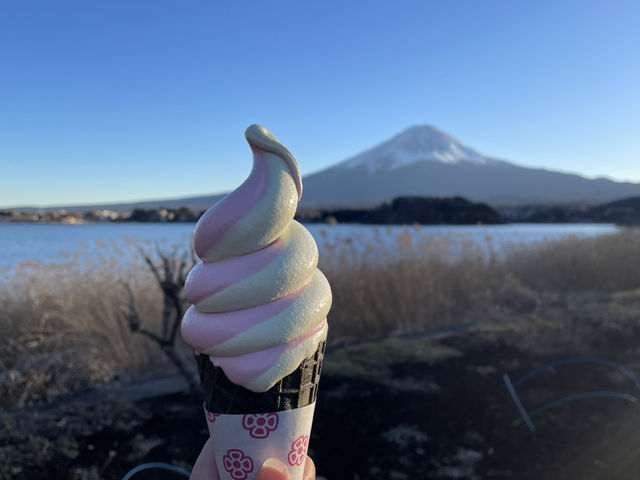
(196, 204)
(424, 161)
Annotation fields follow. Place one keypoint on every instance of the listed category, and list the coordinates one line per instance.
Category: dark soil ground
(406, 408)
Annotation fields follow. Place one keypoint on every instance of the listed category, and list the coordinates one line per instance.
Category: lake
(56, 243)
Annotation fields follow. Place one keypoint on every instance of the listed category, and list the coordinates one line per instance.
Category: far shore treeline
(401, 210)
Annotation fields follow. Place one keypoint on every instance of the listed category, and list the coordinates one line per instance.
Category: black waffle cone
(296, 390)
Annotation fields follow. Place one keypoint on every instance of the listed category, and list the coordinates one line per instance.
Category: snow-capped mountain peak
(422, 143)
(423, 161)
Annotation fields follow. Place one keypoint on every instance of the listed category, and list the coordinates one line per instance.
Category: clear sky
(105, 101)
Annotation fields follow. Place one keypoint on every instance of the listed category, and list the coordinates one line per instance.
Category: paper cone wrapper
(248, 427)
(242, 443)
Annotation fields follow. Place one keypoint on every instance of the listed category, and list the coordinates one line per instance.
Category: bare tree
(170, 271)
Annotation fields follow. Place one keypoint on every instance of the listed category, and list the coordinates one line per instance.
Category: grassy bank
(65, 325)
(428, 282)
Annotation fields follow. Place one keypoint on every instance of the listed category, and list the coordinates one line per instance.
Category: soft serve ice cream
(259, 304)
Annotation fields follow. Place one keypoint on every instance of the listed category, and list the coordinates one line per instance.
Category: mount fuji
(424, 161)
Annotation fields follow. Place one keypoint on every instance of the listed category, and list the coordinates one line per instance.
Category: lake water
(56, 243)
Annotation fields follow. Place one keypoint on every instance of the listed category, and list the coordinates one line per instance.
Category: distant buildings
(95, 216)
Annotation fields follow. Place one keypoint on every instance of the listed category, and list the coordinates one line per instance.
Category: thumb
(273, 469)
(205, 467)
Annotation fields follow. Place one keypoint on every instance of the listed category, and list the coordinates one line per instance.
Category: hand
(274, 469)
(206, 469)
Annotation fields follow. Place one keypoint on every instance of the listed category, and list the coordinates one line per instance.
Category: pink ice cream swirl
(259, 303)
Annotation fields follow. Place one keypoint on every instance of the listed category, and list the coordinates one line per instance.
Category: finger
(205, 467)
(309, 470)
(273, 469)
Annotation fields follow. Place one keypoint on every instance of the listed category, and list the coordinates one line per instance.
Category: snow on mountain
(424, 161)
(422, 143)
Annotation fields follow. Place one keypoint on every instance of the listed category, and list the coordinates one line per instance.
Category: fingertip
(205, 467)
(273, 469)
(309, 470)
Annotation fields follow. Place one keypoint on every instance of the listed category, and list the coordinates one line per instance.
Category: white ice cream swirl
(259, 302)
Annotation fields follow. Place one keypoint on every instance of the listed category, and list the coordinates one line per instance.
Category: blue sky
(106, 101)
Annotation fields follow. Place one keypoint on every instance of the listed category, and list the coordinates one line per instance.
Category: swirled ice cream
(259, 304)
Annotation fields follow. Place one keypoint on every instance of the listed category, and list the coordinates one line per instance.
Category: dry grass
(424, 282)
(602, 264)
(64, 329)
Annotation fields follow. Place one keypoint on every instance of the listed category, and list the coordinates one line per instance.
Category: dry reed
(64, 329)
(420, 282)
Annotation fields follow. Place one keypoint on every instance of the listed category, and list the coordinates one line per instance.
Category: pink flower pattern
(212, 416)
(298, 451)
(237, 464)
(260, 425)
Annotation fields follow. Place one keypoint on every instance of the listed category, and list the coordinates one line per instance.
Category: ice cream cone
(258, 317)
(249, 427)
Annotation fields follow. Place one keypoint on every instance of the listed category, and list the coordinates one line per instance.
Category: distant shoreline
(399, 211)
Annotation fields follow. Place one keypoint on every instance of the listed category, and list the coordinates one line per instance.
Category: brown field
(65, 331)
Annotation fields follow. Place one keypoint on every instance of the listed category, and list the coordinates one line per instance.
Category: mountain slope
(625, 211)
(196, 204)
(418, 144)
(424, 161)
(427, 162)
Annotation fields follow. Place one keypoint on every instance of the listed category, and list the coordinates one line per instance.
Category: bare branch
(164, 257)
(151, 265)
(132, 315)
(170, 352)
(182, 271)
(170, 277)
(153, 336)
(176, 325)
